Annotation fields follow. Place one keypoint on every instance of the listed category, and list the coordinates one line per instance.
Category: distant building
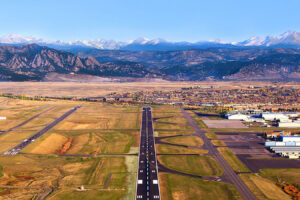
(2, 117)
(237, 117)
(274, 116)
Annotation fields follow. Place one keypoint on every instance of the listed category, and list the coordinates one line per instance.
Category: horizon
(175, 21)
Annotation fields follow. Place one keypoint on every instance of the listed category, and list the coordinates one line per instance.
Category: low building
(237, 117)
(290, 138)
(2, 118)
(274, 116)
(276, 134)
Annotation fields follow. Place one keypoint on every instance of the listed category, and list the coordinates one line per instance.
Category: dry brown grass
(98, 89)
(185, 140)
(168, 149)
(50, 145)
(263, 188)
(174, 186)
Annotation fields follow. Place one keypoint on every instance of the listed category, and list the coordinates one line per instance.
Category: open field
(88, 142)
(164, 126)
(197, 165)
(185, 140)
(99, 175)
(177, 187)
(169, 149)
(218, 143)
(178, 120)
(211, 135)
(168, 118)
(101, 116)
(10, 139)
(263, 188)
(290, 176)
(165, 133)
(160, 112)
(98, 89)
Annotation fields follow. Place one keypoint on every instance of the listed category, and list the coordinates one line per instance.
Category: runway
(27, 121)
(38, 134)
(147, 177)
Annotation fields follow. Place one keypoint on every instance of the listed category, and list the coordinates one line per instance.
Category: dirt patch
(66, 146)
(50, 145)
(178, 196)
(77, 143)
(75, 126)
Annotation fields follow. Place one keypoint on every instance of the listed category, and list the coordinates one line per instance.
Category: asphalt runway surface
(229, 173)
(38, 134)
(25, 122)
(147, 176)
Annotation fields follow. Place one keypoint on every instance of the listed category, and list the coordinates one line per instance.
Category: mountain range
(289, 39)
(41, 63)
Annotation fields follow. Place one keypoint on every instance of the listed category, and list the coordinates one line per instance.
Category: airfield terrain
(94, 89)
(97, 147)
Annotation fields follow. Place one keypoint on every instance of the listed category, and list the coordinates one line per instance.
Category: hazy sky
(175, 20)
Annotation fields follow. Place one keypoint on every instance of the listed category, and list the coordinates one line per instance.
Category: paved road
(147, 177)
(25, 122)
(38, 134)
(228, 171)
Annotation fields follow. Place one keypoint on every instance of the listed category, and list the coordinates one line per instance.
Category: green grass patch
(218, 143)
(197, 165)
(185, 140)
(211, 135)
(174, 187)
(169, 149)
(232, 160)
(290, 176)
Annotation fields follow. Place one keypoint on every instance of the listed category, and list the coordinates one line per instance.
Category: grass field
(163, 133)
(218, 143)
(290, 176)
(197, 165)
(263, 188)
(185, 140)
(10, 139)
(177, 187)
(89, 142)
(171, 126)
(169, 149)
(177, 119)
(100, 116)
(211, 135)
(66, 174)
(232, 160)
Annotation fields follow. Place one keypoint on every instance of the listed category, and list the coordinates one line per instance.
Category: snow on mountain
(291, 38)
(287, 39)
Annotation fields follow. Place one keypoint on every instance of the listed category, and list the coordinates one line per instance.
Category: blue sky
(175, 20)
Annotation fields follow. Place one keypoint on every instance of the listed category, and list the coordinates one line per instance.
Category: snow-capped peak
(287, 39)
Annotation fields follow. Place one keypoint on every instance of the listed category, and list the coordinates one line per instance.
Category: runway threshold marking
(147, 176)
